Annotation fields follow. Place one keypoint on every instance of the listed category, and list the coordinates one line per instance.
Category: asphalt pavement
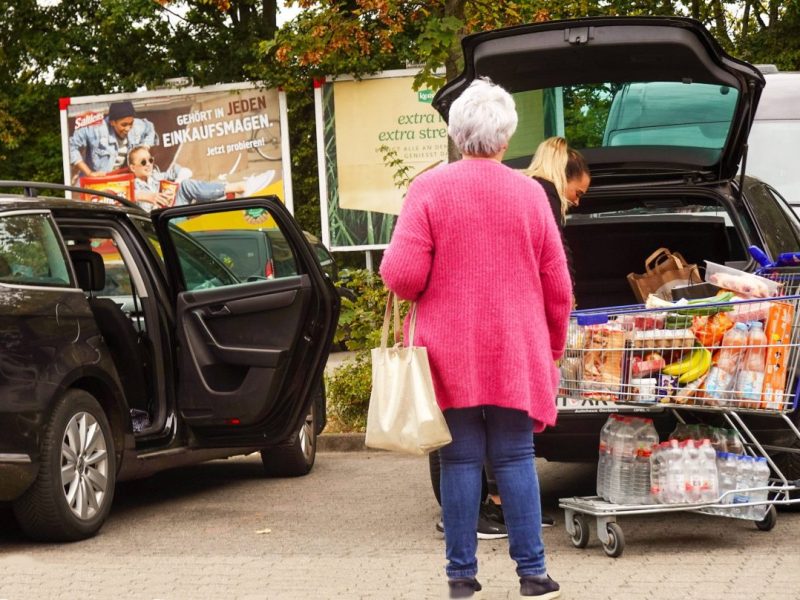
(361, 526)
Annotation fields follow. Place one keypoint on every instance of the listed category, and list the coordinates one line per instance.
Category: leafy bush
(360, 319)
(348, 394)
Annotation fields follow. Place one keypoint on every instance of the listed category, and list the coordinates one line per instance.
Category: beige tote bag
(403, 415)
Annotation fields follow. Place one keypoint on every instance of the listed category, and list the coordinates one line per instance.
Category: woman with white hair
(479, 252)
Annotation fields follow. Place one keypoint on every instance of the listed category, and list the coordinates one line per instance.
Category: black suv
(662, 116)
(128, 348)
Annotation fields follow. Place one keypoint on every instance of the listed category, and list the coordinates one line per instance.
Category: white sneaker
(257, 183)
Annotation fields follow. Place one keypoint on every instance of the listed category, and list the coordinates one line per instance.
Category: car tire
(73, 491)
(297, 458)
(434, 467)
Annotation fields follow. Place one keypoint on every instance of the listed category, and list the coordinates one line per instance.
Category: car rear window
(30, 251)
(619, 114)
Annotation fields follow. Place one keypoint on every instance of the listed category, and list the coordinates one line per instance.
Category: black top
(555, 204)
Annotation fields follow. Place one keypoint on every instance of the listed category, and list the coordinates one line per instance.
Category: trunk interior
(607, 246)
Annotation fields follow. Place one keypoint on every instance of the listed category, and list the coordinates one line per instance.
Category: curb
(341, 442)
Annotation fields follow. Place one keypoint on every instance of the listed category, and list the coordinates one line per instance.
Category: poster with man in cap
(100, 145)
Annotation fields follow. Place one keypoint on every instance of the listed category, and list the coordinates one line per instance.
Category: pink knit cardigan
(477, 247)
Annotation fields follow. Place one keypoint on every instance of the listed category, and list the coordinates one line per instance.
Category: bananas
(690, 367)
(699, 369)
(685, 364)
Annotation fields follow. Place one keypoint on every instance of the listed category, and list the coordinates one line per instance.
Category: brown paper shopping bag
(664, 270)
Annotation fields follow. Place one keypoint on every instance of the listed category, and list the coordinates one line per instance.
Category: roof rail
(31, 190)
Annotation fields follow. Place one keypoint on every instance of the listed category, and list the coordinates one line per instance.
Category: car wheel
(295, 459)
(73, 491)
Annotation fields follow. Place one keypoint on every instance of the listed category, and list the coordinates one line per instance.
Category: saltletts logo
(87, 119)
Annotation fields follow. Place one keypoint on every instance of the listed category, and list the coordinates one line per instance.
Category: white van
(774, 143)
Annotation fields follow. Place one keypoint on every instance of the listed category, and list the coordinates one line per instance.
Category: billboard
(367, 130)
(179, 146)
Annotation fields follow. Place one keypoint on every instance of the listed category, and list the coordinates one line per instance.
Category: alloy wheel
(307, 437)
(84, 465)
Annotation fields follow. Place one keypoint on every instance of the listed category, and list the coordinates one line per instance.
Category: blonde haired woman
(565, 177)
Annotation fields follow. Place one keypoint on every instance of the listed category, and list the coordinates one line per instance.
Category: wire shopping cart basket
(731, 357)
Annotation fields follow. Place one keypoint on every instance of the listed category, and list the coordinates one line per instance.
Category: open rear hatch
(652, 97)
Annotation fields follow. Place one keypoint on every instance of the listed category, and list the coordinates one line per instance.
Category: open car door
(251, 347)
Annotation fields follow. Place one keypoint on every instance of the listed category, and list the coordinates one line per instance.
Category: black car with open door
(129, 347)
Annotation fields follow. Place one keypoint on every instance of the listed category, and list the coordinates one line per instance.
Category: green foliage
(348, 393)
(586, 109)
(61, 49)
(360, 320)
(400, 170)
(302, 141)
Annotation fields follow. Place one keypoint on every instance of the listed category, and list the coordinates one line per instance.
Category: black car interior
(122, 339)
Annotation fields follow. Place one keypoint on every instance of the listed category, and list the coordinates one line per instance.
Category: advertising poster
(367, 131)
(179, 146)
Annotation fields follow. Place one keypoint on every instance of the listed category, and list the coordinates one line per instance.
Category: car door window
(31, 252)
(230, 247)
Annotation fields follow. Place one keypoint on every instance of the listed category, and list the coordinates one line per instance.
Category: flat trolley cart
(577, 511)
(676, 359)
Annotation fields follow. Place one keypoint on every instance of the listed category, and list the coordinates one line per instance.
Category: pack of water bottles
(698, 464)
(623, 469)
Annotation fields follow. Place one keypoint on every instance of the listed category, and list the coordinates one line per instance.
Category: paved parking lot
(362, 526)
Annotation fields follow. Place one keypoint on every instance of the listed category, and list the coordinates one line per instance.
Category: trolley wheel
(616, 541)
(580, 538)
(769, 520)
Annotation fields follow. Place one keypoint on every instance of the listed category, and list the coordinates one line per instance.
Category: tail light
(269, 270)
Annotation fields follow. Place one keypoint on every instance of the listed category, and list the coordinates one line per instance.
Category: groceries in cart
(720, 351)
(742, 283)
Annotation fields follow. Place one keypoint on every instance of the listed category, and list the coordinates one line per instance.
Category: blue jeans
(505, 436)
(191, 191)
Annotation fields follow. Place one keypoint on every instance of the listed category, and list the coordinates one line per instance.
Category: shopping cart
(664, 359)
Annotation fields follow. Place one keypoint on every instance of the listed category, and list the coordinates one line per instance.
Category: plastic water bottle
(656, 473)
(750, 380)
(709, 487)
(675, 475)
(693, 470)
(604, 454)
(744, 480)
(640, 493)
(733, 442)
(721, 377)
(726, 477)
(646, 438)
(718, 439)
(622, 457)
(761, 474)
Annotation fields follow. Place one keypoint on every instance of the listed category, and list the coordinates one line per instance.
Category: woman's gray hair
(482, 119)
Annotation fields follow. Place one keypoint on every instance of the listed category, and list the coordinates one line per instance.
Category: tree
(80, 47)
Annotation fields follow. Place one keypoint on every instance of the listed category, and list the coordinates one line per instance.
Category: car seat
(116, 328)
